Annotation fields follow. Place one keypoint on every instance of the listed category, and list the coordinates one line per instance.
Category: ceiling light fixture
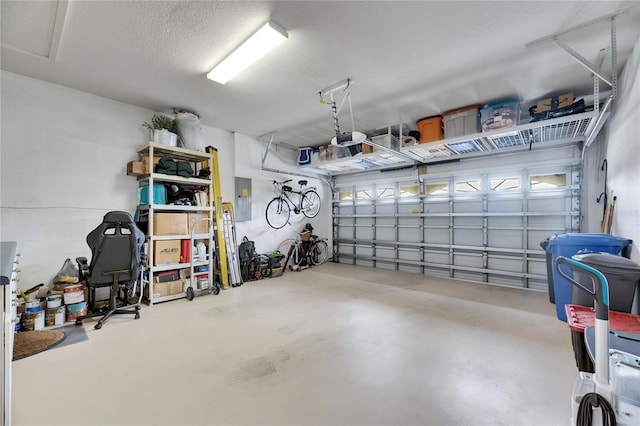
(258, 45)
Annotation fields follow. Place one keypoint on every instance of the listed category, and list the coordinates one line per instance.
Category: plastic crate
(461, 121)
(581, 317)
(499, 116)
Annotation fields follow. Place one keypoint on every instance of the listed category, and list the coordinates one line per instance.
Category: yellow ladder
(217, 204)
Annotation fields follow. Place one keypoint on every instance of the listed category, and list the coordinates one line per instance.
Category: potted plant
(163, 129)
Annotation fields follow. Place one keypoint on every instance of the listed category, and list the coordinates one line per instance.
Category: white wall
(63, 157)
(623, 153)
(248, 164)
(63, 166)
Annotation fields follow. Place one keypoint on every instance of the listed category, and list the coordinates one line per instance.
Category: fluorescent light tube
(258, 45)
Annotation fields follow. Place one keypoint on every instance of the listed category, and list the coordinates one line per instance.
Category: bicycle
(316, 254)
(279, 208)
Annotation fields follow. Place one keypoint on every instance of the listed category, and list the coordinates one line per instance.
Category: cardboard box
(170, 224)
(366, 148)
(165, 252)
(166, 289)
(135, 168)
(196, 225)
(555, 102)
(144, 159)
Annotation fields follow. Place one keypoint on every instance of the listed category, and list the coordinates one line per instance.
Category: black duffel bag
(167, 166)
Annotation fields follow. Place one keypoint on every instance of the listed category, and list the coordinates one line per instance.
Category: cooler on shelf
(568, 245)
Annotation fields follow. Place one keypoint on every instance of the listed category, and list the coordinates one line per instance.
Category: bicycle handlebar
(283, 182)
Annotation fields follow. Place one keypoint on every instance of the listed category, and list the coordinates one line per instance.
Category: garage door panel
(439, 207)
(505, 280)
(470, 260)
(468, 276)
(467, 221)
(505, 239)
(504, 206)
(502, 264)
(410, 269)
(364, 233)
(440, 258)
(385, 234)
(412, 235)
(467, 207)
(489, 224)
(409, 254)
(345, 232)
(384, 252)
(547, 205)
(437, 236)
(385, 209)
(364, 209)
(467, 237)
(408, 208)
(504, 221)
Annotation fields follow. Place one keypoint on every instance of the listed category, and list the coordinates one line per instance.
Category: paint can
(73, 294)
(54, 316)
(32, 306)
(54, 301)
(32, 321)
(76, 310)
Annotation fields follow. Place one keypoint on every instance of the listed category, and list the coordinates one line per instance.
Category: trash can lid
(588, 239)
(619, 264)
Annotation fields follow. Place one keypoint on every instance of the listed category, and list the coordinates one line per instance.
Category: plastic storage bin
(581, 317)
(568, 245)
(159, 194)
(461, 121)
(622, 275)
(430, 129)
(549, 258)
(501, 115)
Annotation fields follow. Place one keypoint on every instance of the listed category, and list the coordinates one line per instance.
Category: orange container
(430, 129)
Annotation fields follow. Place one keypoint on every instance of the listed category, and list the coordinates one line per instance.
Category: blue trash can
(569, 244)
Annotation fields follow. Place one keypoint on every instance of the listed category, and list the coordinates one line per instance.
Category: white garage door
(481, 226)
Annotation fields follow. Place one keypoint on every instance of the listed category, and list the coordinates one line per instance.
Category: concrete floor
(332, 345)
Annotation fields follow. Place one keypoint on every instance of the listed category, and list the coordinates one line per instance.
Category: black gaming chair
(115, 262)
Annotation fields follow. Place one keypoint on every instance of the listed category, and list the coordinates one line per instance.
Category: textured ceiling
(408, 60)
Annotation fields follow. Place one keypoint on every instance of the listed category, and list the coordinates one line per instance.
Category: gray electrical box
(242, 203)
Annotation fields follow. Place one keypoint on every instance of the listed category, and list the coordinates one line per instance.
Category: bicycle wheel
(319, 253)
(277, 213)
(310, 203)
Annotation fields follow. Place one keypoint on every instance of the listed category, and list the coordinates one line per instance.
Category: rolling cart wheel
(190, 294)
(216, 289)
(137, 316)
(78, 322)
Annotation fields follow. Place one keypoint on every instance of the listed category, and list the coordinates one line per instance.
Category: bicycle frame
(296, 207)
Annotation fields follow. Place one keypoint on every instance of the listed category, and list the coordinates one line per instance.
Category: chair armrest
(83, 268)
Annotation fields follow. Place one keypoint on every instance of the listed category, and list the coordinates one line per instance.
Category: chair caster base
(98, 326)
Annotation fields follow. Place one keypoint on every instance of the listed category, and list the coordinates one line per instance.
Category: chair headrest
(117, 217)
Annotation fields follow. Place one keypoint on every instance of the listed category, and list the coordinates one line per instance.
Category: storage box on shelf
(169, 226)
(461, 121)
(430, 129)
(500, 115)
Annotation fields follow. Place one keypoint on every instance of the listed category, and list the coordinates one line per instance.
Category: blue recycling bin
(568, 245)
